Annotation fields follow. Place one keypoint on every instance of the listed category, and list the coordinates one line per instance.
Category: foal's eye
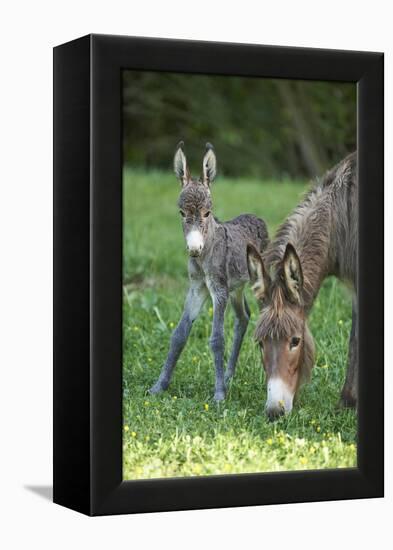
(295, 341)
(206, 214)
(182, 214)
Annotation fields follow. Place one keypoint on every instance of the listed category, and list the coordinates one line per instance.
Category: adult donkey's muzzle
(279, 398)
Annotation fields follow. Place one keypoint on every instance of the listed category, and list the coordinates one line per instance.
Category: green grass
(183, 432)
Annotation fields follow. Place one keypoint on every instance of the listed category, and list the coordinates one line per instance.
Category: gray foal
(217, 266)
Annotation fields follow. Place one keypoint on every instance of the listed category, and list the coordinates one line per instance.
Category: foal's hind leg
(242, 316)
(219, 296)
(349, 391)
(196, 297)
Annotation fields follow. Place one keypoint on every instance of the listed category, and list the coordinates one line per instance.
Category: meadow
(183, 432)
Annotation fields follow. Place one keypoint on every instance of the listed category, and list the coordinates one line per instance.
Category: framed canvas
(156, 141)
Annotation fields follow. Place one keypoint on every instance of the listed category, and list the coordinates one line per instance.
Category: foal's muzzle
(195, 243)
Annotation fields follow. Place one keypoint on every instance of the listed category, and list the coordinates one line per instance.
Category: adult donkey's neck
(323, 230)
(309, 230)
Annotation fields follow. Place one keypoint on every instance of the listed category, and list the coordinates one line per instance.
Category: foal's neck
(211, 233)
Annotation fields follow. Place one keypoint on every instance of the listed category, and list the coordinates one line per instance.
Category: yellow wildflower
(133, 434)
(303, 460)
(172, 324)
(126, 428)
(174, 397)
(206, 407)
(269, 441)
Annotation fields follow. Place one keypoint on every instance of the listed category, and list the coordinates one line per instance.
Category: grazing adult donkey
(217, 265)
(318, 239)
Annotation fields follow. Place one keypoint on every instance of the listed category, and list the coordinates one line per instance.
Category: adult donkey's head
(195, 201)
(282, 332)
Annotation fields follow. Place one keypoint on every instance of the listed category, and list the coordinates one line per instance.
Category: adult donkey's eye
(182, 214)
(206, 214)
(295, 341)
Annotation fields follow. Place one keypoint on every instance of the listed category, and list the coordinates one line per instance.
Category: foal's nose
(195, 250)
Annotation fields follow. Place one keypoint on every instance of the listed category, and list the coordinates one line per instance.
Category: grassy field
(183, 432)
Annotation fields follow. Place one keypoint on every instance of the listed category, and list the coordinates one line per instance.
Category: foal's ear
(180, 164)
(293, 274)
(209, 165)
(259, 278)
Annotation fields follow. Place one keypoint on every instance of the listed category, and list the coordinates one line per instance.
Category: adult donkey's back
(318, 239)
(217, 266)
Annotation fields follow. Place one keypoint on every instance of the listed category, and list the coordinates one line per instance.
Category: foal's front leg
(196, 297)
(217, 343)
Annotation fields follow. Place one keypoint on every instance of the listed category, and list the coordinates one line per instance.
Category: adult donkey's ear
(293, 274)
(180, 164)
(209, 165)
(259, 278)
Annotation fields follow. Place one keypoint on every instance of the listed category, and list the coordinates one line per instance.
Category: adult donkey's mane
(318, 229)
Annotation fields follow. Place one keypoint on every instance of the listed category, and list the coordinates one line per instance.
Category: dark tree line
(259, 127)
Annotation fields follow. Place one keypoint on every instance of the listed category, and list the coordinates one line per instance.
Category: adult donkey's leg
(242, 316)
(196, 297)
(350, 389)
(217, 343)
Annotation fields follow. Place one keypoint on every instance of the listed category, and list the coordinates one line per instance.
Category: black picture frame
(88, 275)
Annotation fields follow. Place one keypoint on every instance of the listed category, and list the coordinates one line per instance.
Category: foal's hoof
(219, 395)
(157, 388)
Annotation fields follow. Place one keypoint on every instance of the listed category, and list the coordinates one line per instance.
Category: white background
(29, 30)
